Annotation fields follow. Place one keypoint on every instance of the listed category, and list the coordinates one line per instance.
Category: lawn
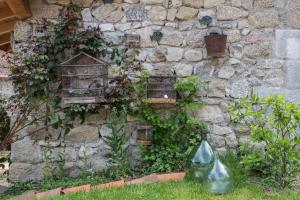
(179, 191)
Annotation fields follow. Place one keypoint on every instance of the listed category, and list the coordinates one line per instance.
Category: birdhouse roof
(83, 59)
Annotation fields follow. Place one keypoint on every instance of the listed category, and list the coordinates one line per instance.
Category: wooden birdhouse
(144, 135)
(132, 40)
(160, 90)
(84, 79)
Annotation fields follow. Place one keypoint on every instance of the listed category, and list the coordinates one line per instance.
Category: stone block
(233, 35)
(114, 37)
(99, 164)
(157, 55)
(212, 3)
(136, 13)
(216, 88)
(105, 131)
(231, 140)
(275, 78)
(182, 69)
(247, 4)
(171, 14)
(83, 134)
(86, 151)
(236, 51)
(193, 55)
(86, 15)
(96, 119)
(106, 27)
(236, 3)
(193, 3)
(263, 4)
(257, 36)
(238, 89)
(216, 140)
(123, 27)
(26, 151)
(264, 19)
(219, 130)
(243, 24)
(245, 31)
(226, 72)
(174, 54)
(186, 13)
(83, 3)
(157, 13)
(24, 172)
(190, 24)
(145, 34)
(287, 44)
(230, 13)
(211, 114)
(261, 49)
(22, 31)
(41, 10)
(152, 2)
(293, 17)
(195, 38)
(108, 13)
(293, 71)
(171, 37)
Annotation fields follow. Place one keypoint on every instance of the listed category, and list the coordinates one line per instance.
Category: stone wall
(262, 56)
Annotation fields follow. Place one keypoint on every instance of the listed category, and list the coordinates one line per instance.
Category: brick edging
(152, 178)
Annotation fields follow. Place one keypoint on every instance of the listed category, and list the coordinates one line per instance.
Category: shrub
(118, 151)
(274, 123)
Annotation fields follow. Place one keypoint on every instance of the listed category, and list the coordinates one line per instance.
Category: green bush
(272, 122)
(176, 133)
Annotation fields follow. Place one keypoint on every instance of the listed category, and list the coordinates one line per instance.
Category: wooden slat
(5, 12)
(2, 4)
(9, 18)
(6, 47)
(6, 27)
(4, 39)
(160, 101)
(18, 8)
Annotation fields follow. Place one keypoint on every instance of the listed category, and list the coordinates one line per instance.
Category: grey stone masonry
(262, 56)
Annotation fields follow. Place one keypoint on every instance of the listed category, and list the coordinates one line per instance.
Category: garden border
(152, 178)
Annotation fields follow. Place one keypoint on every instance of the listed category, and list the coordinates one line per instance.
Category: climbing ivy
(37, 81)
(176, 133)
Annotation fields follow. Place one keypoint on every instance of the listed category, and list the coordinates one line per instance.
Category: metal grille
(84, 77)
(161, 87)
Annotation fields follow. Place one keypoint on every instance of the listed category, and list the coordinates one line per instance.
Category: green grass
(179, 191)
(48, 184)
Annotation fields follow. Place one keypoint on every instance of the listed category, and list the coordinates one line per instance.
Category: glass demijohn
(202, 161)
(219, 180)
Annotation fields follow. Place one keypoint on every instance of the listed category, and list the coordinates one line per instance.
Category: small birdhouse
(160, 90)
(144, 135)
(132, 40)
(84, 79)
(215, 42)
